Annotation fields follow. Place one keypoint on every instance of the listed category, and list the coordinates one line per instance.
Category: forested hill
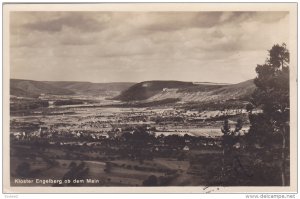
(31, 88)
(186, 91)
(144, 91)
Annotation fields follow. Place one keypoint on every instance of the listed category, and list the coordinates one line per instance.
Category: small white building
(186, 148)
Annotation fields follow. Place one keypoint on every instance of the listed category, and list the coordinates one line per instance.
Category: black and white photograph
(195, 98)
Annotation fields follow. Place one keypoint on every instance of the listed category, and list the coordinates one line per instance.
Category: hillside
(89, 88)
(30, 88)
(238, 91)
(187, 91)
(147, 89)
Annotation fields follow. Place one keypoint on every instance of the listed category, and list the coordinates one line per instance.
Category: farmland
(99, 142)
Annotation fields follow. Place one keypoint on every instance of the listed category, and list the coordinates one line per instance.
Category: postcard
(150, 98)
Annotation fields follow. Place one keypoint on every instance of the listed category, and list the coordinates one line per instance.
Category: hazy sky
(139, 46)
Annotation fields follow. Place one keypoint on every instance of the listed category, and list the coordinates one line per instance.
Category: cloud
(78, 20)
(180, 20)
(173, 21)
(138, 46)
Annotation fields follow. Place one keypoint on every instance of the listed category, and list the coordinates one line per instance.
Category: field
(122, 172)
(100, 143)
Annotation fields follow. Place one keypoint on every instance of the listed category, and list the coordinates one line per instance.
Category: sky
(222, 47)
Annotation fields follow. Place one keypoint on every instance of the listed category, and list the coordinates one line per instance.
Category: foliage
(23, 169)
(270, 129)
(76, 172)
(68, 102)
(27, 104)
(229, 139)
(150, 181)
(107, 168)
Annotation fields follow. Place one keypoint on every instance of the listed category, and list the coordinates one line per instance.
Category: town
(109, 141)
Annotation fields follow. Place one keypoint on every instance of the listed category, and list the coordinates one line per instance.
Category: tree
(150, 181)
(107, 168)
(23, 169)
(72, 165)
(229, 139)
(271, 127)
(249, 108)
(76, 172)
(239, 125)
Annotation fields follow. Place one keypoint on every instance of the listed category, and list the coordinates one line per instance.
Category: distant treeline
(213, 106)
(156, 103)
(68, 102)
(167, 101)
(28, 104)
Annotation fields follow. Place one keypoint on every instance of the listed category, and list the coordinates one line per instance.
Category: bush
(150, 181)
(23, 169)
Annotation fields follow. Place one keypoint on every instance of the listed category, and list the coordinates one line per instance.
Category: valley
(151, 141)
